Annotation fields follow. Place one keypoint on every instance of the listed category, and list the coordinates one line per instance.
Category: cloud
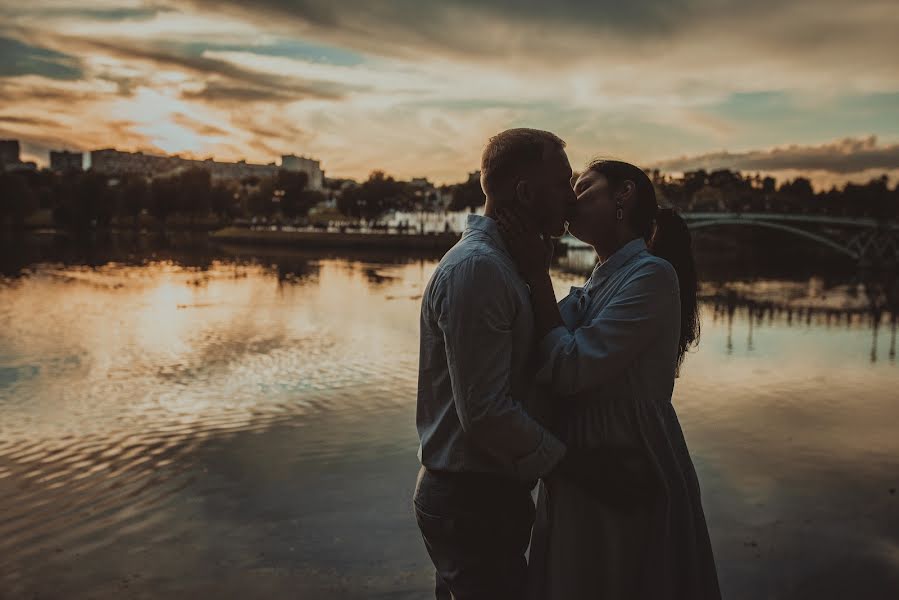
(417, 86)
(199, 127)
(223, 93)
(18, 58)
(849, 155)
(601, 33)
(222, 74)
(35, 121)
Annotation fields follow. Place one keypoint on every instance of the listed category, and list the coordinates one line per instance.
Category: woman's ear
(626, 195)
(627, 191)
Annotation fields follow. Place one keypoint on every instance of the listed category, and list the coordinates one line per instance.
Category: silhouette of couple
(515, 388)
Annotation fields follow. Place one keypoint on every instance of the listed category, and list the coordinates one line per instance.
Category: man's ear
(523, 194)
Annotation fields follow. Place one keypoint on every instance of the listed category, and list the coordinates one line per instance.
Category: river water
(231, 423)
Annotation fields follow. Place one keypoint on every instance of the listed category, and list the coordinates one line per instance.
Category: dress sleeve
(573, 361)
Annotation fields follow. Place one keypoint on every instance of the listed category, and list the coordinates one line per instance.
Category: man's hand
(531, 251)
(617, 476)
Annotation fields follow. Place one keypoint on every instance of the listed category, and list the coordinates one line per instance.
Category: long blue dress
(610, 373)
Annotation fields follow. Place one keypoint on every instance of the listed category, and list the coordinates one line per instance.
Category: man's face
(551, 194)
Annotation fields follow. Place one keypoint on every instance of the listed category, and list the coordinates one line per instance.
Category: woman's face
(592, 218)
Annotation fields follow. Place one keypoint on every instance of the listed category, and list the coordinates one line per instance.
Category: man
(481, 452)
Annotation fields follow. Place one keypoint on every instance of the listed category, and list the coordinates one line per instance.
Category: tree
(379, 194)
(87, 202)
(261, 201)
(290, 188)
(193, 187)
(132, 196)
(467, 195)
(222, 201)
(800, 189)
(163, 197)
(17, 199)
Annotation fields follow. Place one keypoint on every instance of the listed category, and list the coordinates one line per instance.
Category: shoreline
(323, 239)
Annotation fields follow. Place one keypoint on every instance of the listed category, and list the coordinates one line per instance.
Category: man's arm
(476, 310)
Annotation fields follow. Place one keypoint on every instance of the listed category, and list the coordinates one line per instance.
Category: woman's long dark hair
(666, 235)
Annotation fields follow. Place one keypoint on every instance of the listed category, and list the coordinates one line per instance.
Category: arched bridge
(862, 239)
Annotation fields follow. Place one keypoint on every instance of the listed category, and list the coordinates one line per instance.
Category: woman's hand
(531, 251)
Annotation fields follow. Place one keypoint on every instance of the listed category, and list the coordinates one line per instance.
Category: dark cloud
(223, 93)
(107, 14)
(595, 31)
(223, 79)
(115, 14)
(499, 28)
(199, 127)
(850, 155)
(18, 58)
(15, 92)
(33, 121)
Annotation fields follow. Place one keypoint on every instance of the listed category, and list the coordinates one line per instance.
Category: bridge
(861, 239)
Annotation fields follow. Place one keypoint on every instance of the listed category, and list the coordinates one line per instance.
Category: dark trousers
(476, 528)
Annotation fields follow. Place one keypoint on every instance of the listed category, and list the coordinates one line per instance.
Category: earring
(619, 214)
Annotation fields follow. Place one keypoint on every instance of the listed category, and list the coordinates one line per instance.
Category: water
(228, 423)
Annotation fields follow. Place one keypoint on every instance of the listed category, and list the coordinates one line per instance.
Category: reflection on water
(242, 425)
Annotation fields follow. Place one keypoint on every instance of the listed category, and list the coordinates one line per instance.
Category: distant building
(311, 167)
(114, 162)
(236, 170)
(9, 157)
(63, 161)
(9, 152)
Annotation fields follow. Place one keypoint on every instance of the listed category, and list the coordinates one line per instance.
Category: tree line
(732, 191)
(87, 199)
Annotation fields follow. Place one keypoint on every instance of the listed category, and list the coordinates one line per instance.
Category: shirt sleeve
(573, 361)
(475, 314)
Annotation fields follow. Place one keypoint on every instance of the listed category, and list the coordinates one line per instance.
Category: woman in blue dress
(608, 357)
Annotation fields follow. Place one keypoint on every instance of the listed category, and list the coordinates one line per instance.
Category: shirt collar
(621, 257)
(486, 225)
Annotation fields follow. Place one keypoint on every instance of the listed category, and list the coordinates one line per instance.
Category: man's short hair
(512, 153)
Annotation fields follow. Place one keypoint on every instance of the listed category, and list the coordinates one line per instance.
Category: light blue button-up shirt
(476, 364)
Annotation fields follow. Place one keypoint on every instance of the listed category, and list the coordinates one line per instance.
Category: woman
(609, 354)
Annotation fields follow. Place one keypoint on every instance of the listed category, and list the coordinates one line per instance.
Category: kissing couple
(517, 389)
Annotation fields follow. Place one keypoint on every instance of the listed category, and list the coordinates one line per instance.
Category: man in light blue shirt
(481, 452)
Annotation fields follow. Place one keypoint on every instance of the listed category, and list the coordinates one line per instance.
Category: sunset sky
(415, 87)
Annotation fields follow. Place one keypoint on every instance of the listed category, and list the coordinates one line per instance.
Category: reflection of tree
(292, 271)
(882, 292)
(375, 278)
(893, 337)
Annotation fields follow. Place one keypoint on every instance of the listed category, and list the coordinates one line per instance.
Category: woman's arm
(573, 361)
